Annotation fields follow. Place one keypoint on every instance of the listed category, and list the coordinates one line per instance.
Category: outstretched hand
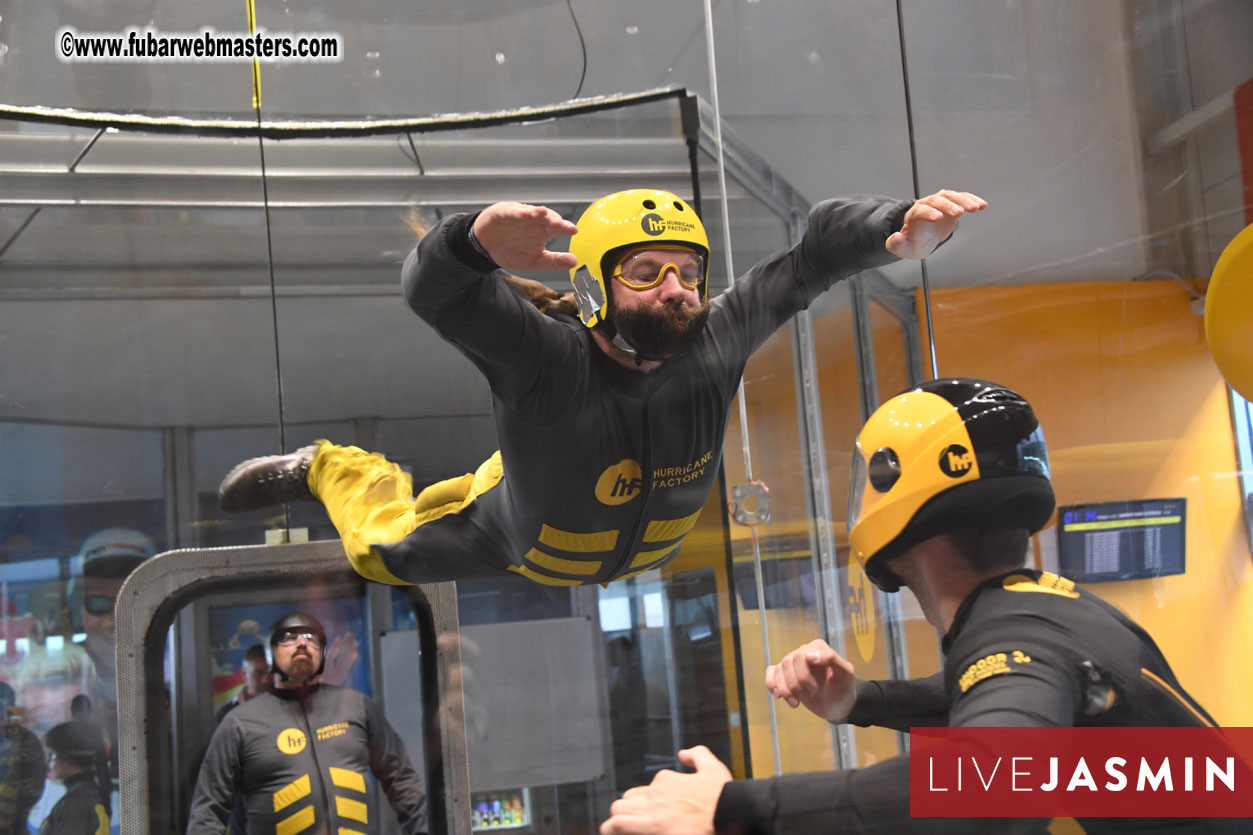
(930, 221)
(817, 677)
(674, 803)
(516, 236)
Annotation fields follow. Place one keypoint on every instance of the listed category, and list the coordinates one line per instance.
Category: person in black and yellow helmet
(950, 479)
(77, 757)
(947, 455)
(636, 238)
(611, 407)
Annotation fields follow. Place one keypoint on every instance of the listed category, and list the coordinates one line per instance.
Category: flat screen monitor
(1127, 540)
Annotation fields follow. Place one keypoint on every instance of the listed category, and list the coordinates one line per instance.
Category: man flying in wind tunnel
(611, 423)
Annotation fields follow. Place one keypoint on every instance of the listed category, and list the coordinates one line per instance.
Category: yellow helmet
(618, 222)
(945, 455)
(1229, 313)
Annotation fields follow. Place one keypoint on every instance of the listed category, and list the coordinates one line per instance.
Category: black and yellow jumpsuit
(79, 811)
(1027, 649)
(302, 759)
(602, 470)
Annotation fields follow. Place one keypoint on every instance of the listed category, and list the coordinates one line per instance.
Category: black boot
(266, 481)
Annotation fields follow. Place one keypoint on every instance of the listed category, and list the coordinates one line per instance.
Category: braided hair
(545, 299)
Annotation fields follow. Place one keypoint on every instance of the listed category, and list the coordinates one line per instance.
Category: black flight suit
(79, 811)
(1069, 659)
(300, 758)
(605, 469)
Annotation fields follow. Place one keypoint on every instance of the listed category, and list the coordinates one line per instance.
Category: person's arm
(1014, 673)
(900, 704)
(453, 285)
(1028, 682)
(816, 676)
(872, 799)
(1036, 687)
(396, 775)
(876, 798)
(843, 236)
(216, 785)
(1038, 690)
(709, 802)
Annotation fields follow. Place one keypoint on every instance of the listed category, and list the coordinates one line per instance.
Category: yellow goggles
(646, 268)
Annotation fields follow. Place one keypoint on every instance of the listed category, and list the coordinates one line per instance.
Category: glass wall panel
(867, 643)
(402, 59)
(1132, 110)
(816, 90)
(783, 612)
(1116, 127)
(127, 275)
(791, 83)
(915, 645)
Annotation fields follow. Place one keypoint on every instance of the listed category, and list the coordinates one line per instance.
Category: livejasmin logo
(1081, 772)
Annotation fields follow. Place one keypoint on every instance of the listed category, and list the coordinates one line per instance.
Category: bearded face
(300, 667)
(298, 661)
(657, 305)
(660, 330)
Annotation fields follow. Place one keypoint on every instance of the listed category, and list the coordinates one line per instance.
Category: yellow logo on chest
(292, 741)
(620, 483)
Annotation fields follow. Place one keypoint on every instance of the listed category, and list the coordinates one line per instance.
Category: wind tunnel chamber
(191, 295)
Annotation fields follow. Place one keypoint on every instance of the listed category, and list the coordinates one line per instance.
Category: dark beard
(659, 333)
(299, 669)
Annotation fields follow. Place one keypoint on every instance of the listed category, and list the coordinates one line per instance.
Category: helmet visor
(856, 488)
(291, 637)
(644, 269)
(99, 604)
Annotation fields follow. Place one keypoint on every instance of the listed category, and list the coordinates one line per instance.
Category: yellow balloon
(1229, 313)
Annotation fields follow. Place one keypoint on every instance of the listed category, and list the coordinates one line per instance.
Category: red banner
(1081, 772)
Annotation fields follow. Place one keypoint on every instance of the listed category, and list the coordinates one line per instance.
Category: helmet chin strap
(625, 347)
(620, 342)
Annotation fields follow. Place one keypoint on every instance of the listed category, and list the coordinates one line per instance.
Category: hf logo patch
(654, 224)
(956, 461)
(620, 483)
(292, 741)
